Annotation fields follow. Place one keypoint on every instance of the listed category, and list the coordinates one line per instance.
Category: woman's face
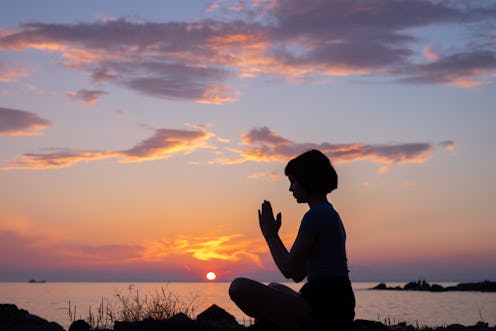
(298, 191)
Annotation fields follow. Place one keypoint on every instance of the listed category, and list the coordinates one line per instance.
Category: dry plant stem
(132, 307)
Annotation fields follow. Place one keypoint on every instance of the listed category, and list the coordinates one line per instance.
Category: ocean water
(51, 301)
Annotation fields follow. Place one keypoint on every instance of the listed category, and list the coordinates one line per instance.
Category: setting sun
(211, 275)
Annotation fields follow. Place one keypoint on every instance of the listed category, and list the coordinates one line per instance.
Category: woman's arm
(292, 264)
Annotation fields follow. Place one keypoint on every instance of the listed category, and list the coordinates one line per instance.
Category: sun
(211, 275)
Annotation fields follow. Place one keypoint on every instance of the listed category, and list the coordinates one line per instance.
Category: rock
(485, 286)
(381, 286)
(437, 288)
(365, 325)
(213, 318)
(218, 317)
(80, 325)
(179, 322)
(144, 325)
(15, 319)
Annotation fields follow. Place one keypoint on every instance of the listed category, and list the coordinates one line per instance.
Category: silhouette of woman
(326, 301)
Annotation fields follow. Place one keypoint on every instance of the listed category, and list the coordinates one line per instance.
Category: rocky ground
(212, 319)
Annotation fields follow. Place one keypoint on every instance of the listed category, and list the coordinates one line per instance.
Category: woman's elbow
(296, 275)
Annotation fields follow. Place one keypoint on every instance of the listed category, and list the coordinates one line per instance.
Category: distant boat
(37, 281)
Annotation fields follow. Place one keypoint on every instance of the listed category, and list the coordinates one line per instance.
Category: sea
(57, 301)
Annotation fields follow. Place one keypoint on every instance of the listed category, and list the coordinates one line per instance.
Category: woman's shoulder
(322, 210)
(325, 207)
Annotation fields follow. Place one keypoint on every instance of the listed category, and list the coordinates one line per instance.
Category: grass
(133, 307)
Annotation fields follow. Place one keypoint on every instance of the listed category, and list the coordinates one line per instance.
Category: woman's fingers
(267, 208)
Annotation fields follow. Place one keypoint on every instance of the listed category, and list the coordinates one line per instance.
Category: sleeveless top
(328, 256)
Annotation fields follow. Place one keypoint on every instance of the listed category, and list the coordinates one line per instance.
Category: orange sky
(137, 142)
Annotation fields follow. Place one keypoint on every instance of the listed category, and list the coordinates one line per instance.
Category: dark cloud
(173, 81)
(463, 69)
(196, 60)
(87, 96)
(169, 60)
(14, 122)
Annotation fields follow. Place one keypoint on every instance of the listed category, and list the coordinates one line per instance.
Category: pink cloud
(56, 158)
(87, 96)
(14, 122)
(264, 145)
(167, 142)
(9, 72)
(448, 144)
(430, 54)
(163, 144)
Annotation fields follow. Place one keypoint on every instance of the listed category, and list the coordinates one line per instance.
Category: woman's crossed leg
(274, 302)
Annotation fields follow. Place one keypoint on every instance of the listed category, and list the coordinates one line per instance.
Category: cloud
(199, 60)
(259, 145)
(176, 257)
(466, 69)
(430, 54)
(166, 142)
(408, 183)
(270, 176)
(87, 96)
(448, 145)
(104, 253)
(229, 247)
(161, 145)
(10, 72)
(263, 145)
(384, 169)
(56, 158)
(167, 60)
(14, 122)
(21, 250)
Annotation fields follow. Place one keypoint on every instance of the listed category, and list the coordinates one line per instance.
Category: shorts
(331, 302)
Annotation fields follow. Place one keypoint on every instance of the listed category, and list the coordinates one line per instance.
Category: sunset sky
(138, 139)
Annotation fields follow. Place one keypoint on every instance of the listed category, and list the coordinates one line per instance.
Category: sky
(138, 139)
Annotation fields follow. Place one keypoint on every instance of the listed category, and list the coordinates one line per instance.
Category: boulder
(381, 286)
(15, 319)
(219, 318)
(80, 325)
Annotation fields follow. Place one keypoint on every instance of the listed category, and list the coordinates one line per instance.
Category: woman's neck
(317, 200)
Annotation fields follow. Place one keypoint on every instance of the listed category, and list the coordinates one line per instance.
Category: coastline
(422, 285)
(50, 301)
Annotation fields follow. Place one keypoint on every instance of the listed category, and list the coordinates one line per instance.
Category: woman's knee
(282, 288)
(238, 287)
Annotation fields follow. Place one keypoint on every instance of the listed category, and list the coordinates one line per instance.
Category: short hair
(313, 171)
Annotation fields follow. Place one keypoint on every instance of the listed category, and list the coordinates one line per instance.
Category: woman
(318, 253)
